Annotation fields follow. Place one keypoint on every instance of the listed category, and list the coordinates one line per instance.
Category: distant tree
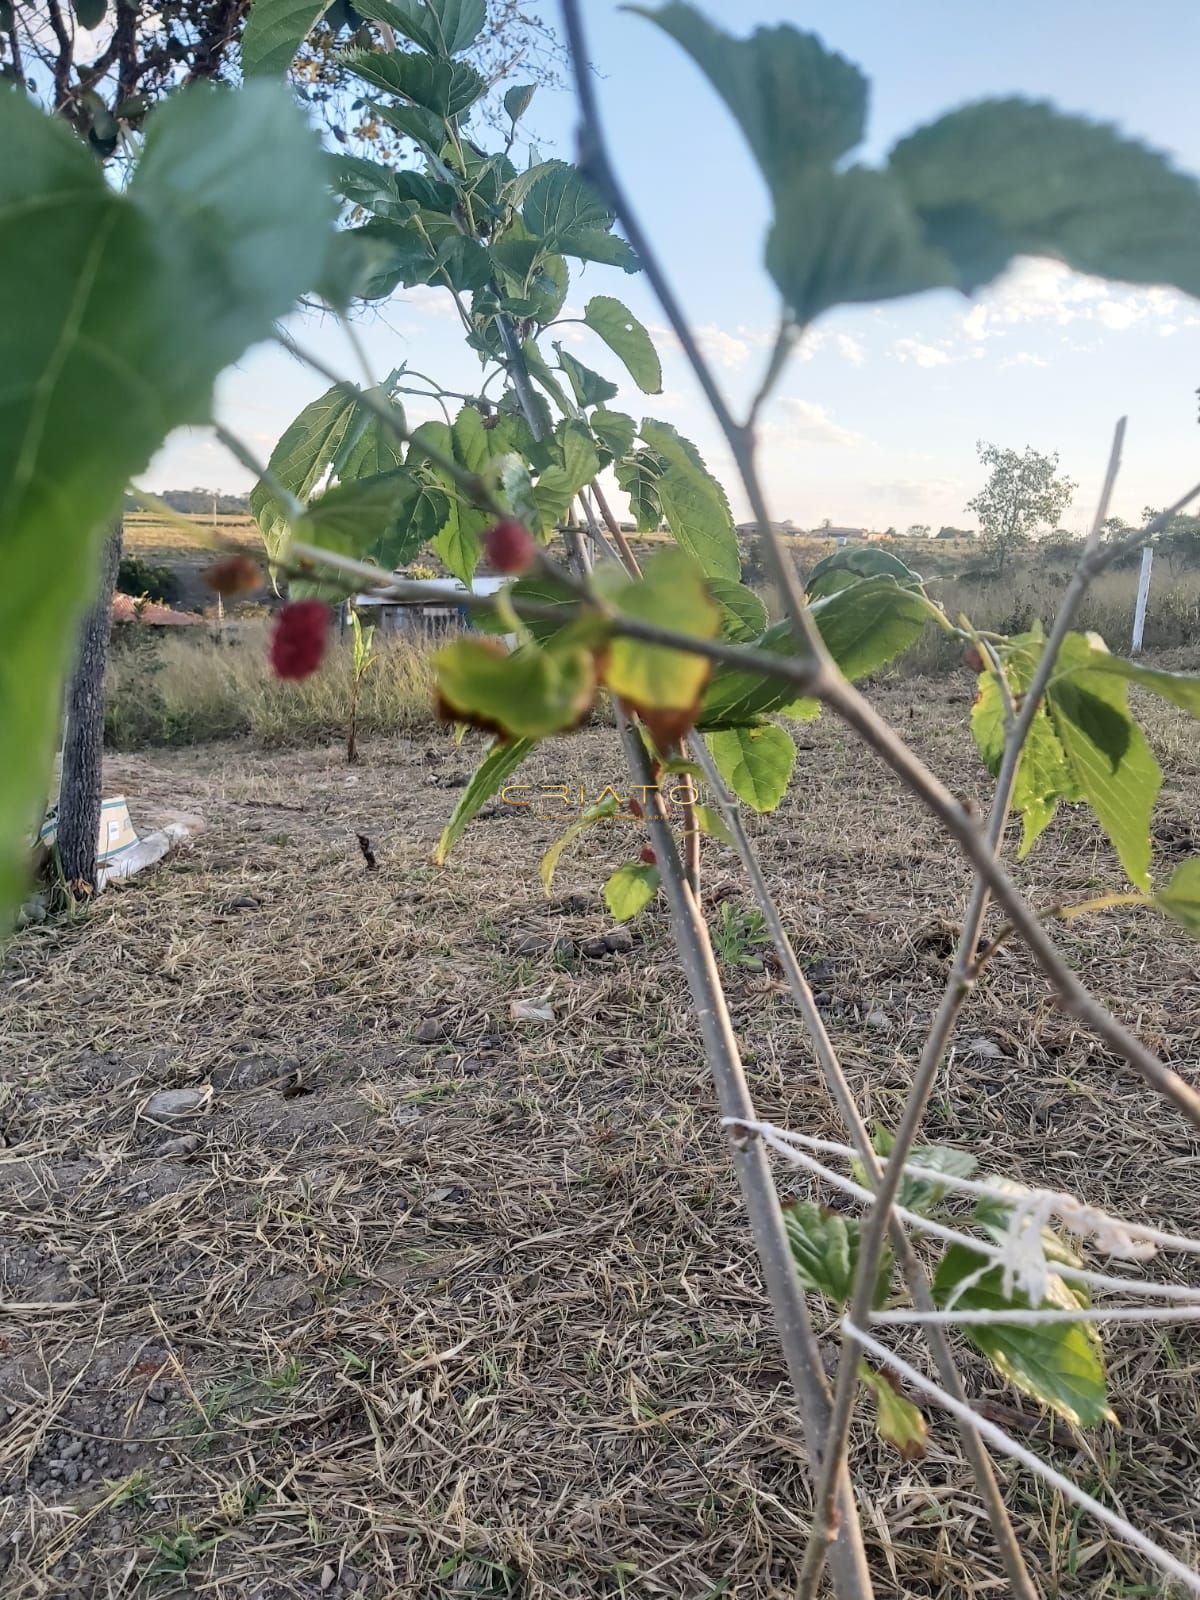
(919, 530)
(947, 531)
(1024, 493)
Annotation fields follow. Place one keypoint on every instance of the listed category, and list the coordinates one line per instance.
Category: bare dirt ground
(399, 1297)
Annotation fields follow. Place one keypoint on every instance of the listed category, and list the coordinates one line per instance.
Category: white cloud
(1049, 292)
(429, 301)
(1024, 358)
(726, 349)
(723, 346)
(916, 493)
(804, 422)
(924, 355)
(850, 350)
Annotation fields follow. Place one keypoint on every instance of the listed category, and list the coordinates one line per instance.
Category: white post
(1139, 615)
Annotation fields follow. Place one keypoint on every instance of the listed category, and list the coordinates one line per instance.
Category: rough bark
(83, 745)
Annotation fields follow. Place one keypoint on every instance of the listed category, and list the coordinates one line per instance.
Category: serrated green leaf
(825, 1247)
(638, 476)
(590, 388)
(498, 765)
(918, 1193)
(1057, 1363)
(755, 762)
(441, 27)
(1043, 776)
(446, 88)
(627, 339)
(130, 304)
(300, 459)
(870, 623)
(561, 203)
(602, 811)
(274, 31)
(743, 615)
(614, 430)
(1107, 753)
(693, 502)
(847, 566)
(630, 890)
(1017, 177)
(1180, 688)
(577, 465)
(517, 487)
(796, 102)
(517, 99)
(1180, 896)
(841, 238)
(897, 1421)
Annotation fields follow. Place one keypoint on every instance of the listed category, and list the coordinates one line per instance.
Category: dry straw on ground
(415, 1300)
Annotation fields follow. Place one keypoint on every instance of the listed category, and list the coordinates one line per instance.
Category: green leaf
(274, 31)
(796, 102)
(528, 694)
(595, 244)
(756, 763)
(447, 88)
(441, 27)
(498, 765)
(846, 566)
(561, 204)
(1057, 1363)
(711, 822)
(614, 430)
(825, 1248)
(738, 698)
(626, 338)
(871, 622)
(1180, 688)
(1107, 754)
(1016, 177)
(897, 1421)
(563, 479)
(600, 812)
(743, 615)
(1043, 776)
(375, 447)
(90, 13)
(142, 297)
(385, 518)
(589, 387)
(630, 890)
(298, 461)
(638, 476)
(662, 684)
(1180, 898)
(843, 237)
(921, 1194)
(517, 487)
(694, 503)
(516, 100)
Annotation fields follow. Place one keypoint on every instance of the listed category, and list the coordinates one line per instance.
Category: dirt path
(323, 1276)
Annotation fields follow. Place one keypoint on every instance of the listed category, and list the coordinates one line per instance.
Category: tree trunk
(79, 791)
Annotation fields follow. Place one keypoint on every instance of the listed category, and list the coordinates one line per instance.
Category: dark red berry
(299, 638)
(648, 855)
(510, 547)
(233, 574)
(972, 659)
(635, 805)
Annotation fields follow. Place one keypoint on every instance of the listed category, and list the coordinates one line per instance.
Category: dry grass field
(395, 1296)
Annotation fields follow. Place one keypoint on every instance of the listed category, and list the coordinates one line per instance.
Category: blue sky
(875, 422)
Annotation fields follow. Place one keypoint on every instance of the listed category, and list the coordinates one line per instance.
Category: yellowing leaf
(664, 685)
(527, 695)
